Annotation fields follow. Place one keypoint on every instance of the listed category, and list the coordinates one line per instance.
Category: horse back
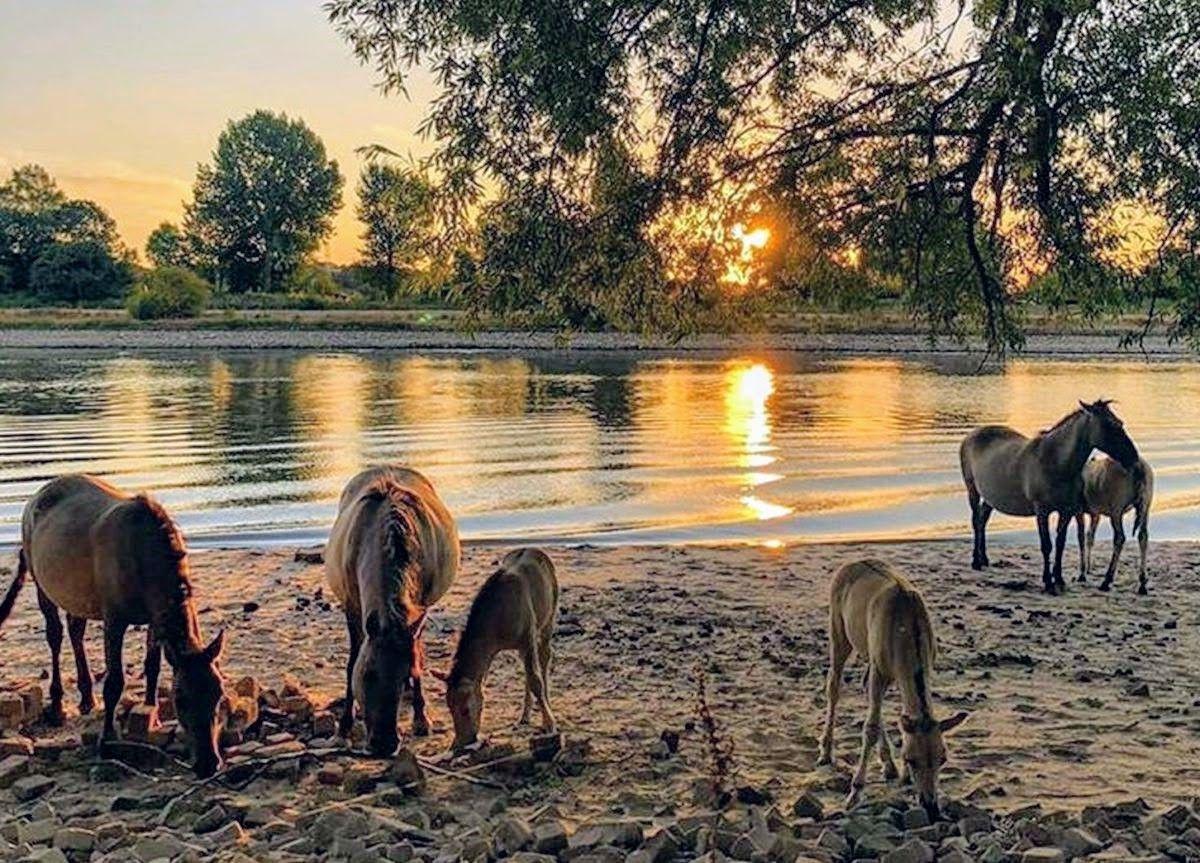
(994, 461)
(883, 615)
(61, 533)
(1110, 488)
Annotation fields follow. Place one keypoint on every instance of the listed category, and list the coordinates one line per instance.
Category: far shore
(302, 335)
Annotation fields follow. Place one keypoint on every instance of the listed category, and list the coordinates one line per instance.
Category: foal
(878, 614)
(514, 610)
(100, 554)
(393, 552)
(1109, 489)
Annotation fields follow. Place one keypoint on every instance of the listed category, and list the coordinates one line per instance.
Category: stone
(110, 835)
(808, 806)
(528, 857)
(141, 721)
(873, 845)
(549, 837)
(359, 780)
(210, 820)
(969, 825)
(75, 839)
(406, 772)
(543, 747)
(833, 842)
(1043, 854)
(298, 707)
(12, 711)
(1079, 842)
(912, 851)
(620, 834)
(310, 555)
(248, 687)
(231, 834)
(150, 848)
(659, 847)
(324, 724)
(31, 787)
(12, 768)
(15, 746)
(914, 818)
(511, 835)
(399, 852)
(37, 832)
(49, 855)
(330, 774)
(955, 855)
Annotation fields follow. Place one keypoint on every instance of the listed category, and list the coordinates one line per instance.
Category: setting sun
(738, 271)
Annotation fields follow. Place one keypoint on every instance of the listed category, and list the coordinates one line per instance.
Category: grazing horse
(100, 554)
(1038, 476)
(514, 610)
(393, 552)
(878, 614)
(1109, 489)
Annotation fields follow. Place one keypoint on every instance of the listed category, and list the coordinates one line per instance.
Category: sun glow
(739, 269)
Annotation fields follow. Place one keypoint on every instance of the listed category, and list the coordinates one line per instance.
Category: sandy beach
(1086, 699)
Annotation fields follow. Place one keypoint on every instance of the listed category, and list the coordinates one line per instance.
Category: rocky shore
(688, 685)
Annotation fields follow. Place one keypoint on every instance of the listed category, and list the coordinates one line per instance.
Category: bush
(169, 292)
(78, 273)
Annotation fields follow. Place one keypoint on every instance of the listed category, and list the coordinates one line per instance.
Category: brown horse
(100, 554)
(1002, 469)
(393, 552)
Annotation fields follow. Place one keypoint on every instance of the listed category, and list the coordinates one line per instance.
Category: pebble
(12, 768)
(31, 787)
(75, 839)
(1043, 854)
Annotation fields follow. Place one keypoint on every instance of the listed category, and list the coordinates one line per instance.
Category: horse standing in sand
(878, 614)
(393, 552)
(100, 554)
(514, 610)
(1109, 489)
(1038, 476)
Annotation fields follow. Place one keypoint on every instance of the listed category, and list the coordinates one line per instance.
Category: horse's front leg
(114, 674)
(1060, 544)
(354, 627)
(1043, 524)
(54, 635)
(1143, 536)
(872, 728)
(421, 724)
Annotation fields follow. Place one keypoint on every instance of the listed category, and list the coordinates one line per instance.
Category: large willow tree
(959, 148)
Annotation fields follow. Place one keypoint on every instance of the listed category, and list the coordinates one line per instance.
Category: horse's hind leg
(872, 728)
(1143, 535)
(980, 512)
(1118, 526)
(885, 756)
(54, 635)
(76, 627)
(839, 652)
(151, 667)
(1081, 533)
(354, 627)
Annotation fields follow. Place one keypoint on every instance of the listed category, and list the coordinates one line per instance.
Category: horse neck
(394, 595)
(474, 655)
(914, 692)
(173, 615)
(1067, 443)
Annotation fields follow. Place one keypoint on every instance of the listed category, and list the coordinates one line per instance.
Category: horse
(878, 614)
(1005, 470)
(1109, 489)
(392, 554)
(514, 610)
(98, 553)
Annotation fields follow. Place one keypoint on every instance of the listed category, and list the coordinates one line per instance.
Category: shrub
(78, 273)
(169, 292)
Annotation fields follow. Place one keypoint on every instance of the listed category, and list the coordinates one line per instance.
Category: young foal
(875, 612)
(100, 554)
(1002, 469)
(1109, 489)
(393, 552)
(514, 610)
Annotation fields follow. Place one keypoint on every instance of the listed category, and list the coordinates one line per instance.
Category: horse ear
(953, 722)
(213, 652)
(439, 674)
(372, 624)
(1085, 406)
(907, 724)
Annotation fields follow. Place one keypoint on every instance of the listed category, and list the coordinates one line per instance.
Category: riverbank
(301, 336)
(1075, 702)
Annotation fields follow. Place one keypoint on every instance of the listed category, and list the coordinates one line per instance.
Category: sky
(121, 99)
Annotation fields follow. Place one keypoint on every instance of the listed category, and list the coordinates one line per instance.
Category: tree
(79, 273)
(395, 207)
(37, 219)
(958, 148)
(167, 246)
(169, 292)
(266, 201)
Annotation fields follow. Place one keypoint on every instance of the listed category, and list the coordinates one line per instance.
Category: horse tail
(10, 598)
(1143, 495)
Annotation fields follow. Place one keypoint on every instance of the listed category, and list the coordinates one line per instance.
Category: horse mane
(158, 522)
(1062, 422)
(401, 544)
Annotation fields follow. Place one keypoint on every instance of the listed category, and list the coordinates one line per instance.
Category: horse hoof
(825, 761)
(53, 715)
(421, 728)
(890, 772)
(1106, 587)
(86, 707)
(977, 565)
(1142, 590)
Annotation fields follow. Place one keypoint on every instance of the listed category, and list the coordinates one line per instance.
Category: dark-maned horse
(100, 554)
(393, 552)
(1038, 476)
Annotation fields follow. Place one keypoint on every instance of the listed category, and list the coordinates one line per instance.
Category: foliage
(38, 221)
(167, 246)
(962, 150)
(395, 207)
(83, 272)
(265, 202)
(169, 292)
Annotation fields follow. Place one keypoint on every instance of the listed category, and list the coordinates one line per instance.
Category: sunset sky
(121, 100)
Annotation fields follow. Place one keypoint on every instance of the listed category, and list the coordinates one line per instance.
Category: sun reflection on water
(749, 424)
